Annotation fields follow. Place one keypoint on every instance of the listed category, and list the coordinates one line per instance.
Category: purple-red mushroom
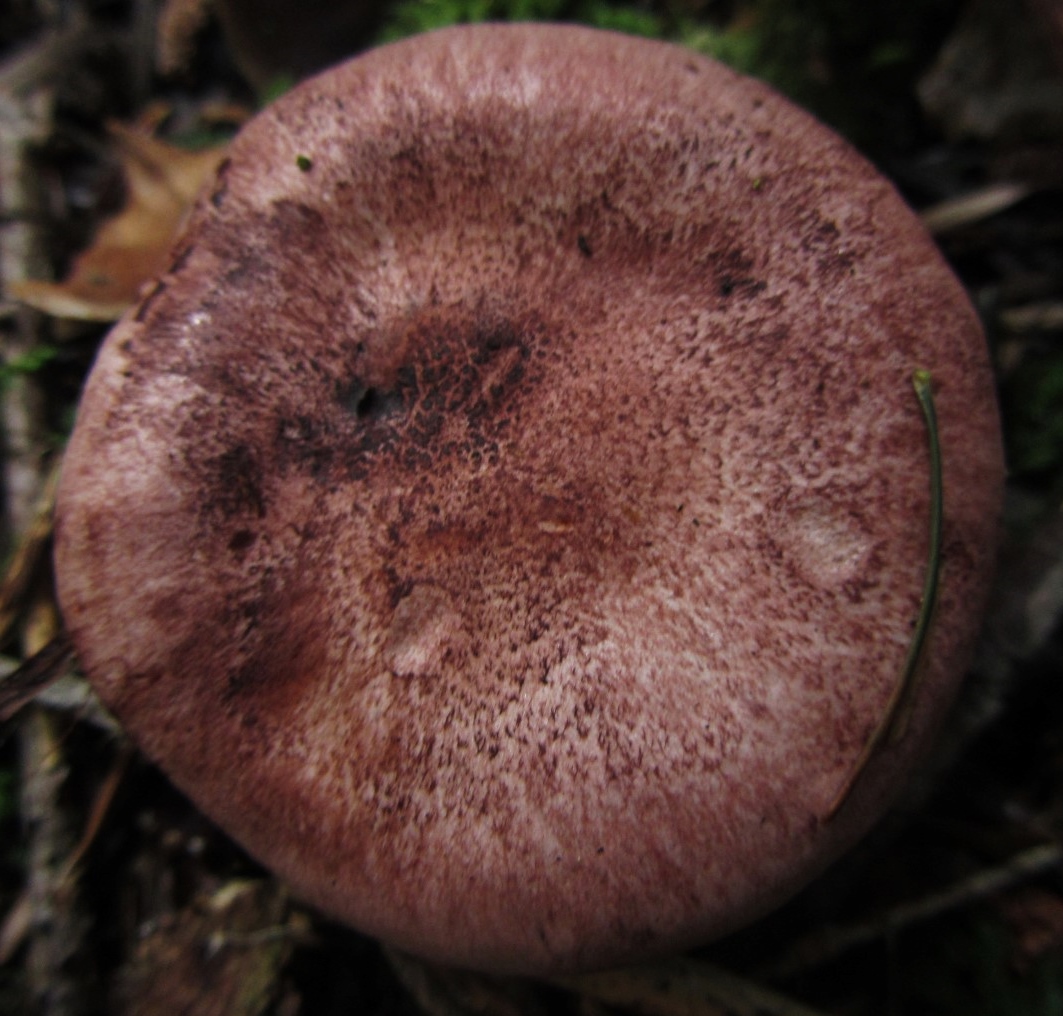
(509, 516)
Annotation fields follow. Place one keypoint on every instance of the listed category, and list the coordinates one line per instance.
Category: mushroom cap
(508, 515)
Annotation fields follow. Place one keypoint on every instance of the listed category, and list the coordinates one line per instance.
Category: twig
(72, 694)
(831, 943)
(1045, 316)
(21, 400)
(42, 669)
(974, 207)
(55, 926)
(28, 553)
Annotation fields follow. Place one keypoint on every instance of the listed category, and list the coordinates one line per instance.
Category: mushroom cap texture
(508, 515)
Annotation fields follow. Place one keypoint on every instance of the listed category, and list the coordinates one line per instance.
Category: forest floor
(117, 896)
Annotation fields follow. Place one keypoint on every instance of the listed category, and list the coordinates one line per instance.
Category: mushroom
(509, 514)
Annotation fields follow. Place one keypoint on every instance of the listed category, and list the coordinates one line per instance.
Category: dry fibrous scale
(508, 516)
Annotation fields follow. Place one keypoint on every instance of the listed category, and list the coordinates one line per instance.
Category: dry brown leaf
(161, 184)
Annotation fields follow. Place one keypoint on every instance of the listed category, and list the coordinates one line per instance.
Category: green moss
(29, 362)
(632, 20)
(412, 16)
(275, 89)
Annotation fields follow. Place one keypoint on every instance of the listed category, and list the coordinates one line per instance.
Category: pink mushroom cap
(508, 515)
